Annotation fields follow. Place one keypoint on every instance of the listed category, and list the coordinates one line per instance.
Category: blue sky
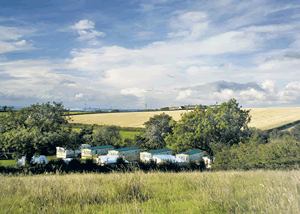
(126, 54)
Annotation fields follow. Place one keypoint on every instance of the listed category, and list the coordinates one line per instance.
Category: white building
(129, 153)
(35, 159)
(108, 159)
(64, 153)
(88, 152)
(148, 155)
(193, 155)
(164, 158)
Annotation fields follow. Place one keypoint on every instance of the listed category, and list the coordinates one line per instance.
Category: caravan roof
(159, 150)
(100, 147)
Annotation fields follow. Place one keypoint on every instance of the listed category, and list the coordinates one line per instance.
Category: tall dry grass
(156, 192)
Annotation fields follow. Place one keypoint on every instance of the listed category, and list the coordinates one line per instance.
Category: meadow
(155, 192)
(263, 118)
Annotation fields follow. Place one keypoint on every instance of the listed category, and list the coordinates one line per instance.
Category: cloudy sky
(125, 54)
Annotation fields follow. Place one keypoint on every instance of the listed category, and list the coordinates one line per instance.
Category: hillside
(263, 118)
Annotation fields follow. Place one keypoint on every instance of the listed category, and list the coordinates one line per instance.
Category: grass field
(156, 192)
(124, 134)
(129, 135)
(263, 118)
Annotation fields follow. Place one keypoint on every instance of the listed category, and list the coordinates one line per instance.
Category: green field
(155, 192)
(124, 134)
(130, 135)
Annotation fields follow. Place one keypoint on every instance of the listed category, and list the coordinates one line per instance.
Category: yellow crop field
(263, 118)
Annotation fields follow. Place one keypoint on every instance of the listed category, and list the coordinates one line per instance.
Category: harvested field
(123, 119)
(263, 118)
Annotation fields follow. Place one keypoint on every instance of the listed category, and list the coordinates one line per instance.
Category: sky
(154, 53)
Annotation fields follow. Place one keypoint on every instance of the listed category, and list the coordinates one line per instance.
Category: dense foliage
(33, 130)
(156, 129)
(210, 129)
(282, 151)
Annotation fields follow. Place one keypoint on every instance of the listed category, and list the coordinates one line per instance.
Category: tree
(157, 128)
(108, 135)
(139, 141)
(210, 129)
(4, 108)
(33, 130)
(86, 134)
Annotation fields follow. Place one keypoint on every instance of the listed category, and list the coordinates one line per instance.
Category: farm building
(108, 159)
(171, 158)
(129, 153)
(174, 108)
(97, 150)
(147, 155)
(190, 107)
(193, 155)
(64, 153)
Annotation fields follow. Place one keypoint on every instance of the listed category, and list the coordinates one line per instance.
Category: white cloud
(269, 85)
(138, 92)
(85, 35)
(194, 70)
(85, 29)
(270, 28)
(79, 96)
(11, 33)
(184, 94)
(252, 94)
(83, 25)
(293, 86)
(20, 43)
(190, 25)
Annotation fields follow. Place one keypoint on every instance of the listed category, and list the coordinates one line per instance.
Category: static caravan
(35, 159)
(163, 158)
(64, 153)
(97, 150)
(148, 155)
(129, 153)
(193, 155)
(108, 159)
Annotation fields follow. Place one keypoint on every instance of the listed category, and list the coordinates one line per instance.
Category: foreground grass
(157, 192)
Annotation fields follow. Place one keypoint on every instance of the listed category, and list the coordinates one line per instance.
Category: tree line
(222, 132)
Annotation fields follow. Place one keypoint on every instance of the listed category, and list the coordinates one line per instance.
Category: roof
(168, 158)
(191, 152)
(128, 148)
(159, 150)
(99, 147)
